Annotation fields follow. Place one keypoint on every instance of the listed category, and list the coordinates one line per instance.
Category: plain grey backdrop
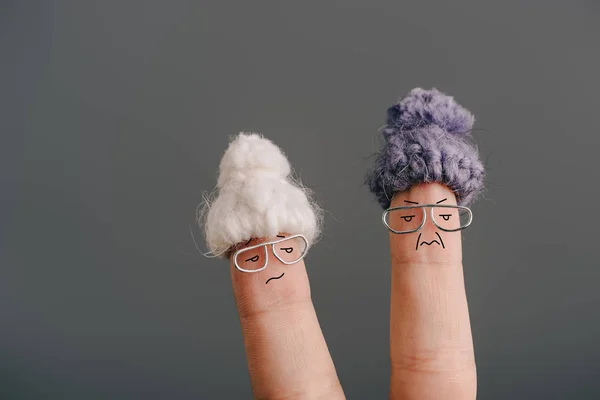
(113, 119)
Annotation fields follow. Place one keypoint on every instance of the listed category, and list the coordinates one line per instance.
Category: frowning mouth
(275, 277)
(439, 243)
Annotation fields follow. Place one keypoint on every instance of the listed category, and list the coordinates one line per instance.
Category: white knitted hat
(256, 197)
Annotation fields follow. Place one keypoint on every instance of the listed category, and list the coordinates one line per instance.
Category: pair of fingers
(431, 349)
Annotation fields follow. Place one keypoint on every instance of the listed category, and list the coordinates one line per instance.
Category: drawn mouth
(440, 243)
(276, 277)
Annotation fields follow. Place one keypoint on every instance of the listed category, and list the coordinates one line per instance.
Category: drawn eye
(446, 216)
(408, 218)
(253, 259)
(287, 249)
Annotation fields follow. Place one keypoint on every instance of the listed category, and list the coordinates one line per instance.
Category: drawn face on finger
(428, 232)
(266, 272)
(270, 256)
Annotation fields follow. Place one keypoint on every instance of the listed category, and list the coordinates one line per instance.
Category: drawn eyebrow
(441, 201)
(249, 240)
(412, 202)
(280, 236)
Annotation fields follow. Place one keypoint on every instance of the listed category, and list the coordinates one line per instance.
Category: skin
(285, 348)
(431, 347)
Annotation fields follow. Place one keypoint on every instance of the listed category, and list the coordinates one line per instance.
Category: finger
(285, 348)
(431, 348)
(257, 197)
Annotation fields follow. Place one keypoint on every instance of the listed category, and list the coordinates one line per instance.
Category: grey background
(114, 115)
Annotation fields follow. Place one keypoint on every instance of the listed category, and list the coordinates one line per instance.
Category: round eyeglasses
(288, 250)
(408, 219)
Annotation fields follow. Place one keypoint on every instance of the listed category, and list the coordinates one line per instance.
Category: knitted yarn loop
(427, 139)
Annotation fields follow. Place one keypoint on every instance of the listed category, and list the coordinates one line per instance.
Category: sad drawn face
(425, 222)
(270, 257)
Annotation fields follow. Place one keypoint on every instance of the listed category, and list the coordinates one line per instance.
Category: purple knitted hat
(427, 139)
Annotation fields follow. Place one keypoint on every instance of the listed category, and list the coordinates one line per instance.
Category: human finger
(265, 223)
(428, 166)
(286, 352)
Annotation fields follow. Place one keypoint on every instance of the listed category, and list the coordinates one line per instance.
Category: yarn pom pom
(252, 155)
(427, 139)
(430, 107)
(256, 197)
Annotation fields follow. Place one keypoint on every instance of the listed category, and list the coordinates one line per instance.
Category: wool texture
(257, 197)
(427, 138)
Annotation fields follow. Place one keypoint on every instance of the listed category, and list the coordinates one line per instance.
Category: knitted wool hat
(256, 197)
(427, 139)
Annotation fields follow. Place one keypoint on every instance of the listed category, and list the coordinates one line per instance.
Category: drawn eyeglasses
(408, 219)
(255, 258)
